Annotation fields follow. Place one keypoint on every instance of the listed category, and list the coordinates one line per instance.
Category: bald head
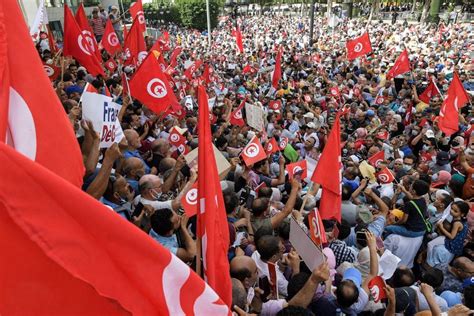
(160, 146)
(244, 269)
(133, 168)
(133, 139)
(166, 164)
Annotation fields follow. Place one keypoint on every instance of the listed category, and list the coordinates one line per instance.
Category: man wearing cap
(116, 22)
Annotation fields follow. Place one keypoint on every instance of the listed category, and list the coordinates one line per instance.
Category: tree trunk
(424, 13)
(413, 6)
(329, 9)
(374, 10)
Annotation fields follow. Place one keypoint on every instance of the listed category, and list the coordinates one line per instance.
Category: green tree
(193, 13)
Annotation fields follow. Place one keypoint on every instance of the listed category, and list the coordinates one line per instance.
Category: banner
(103, 113)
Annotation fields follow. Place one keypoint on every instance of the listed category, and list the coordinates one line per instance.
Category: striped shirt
(98, 25)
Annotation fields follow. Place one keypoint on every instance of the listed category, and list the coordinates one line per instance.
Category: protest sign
(103, 113)
(254, 116)
(306, 248)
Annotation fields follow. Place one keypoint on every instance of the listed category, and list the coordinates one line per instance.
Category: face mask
(426, 147)
(407, 167)
(414, 132)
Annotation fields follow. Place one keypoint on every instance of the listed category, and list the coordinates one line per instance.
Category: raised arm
(374, 260)
(306, 294)
(289, 206)
(97, 188)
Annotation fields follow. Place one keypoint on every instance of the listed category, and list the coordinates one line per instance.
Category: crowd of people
(423, 220)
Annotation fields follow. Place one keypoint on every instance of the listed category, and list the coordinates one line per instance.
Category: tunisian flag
(328, 174)
(69, 251)
(151, 87)
(277, 71)
(236, 117)
(272, 146)
(136, 10)
(86, 30)
(79, 46)
(110, 41)
(430, 91)
(456, 98)
(238, 39)
(212, 227)
(189, 73)
(39, 130)
(358, 47)
(401, 66)
(134, 45)
(253, 152)
(376, 158)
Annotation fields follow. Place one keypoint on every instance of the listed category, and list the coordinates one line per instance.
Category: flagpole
(208, 14)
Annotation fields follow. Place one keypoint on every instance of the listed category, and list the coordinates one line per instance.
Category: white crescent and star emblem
(156, 88)
(141, 17)
(49, 70)
(86, 42)
(358, 47)
(174, 137)
(192, 196)
(252, 150)
(238, 114)
(113, 39)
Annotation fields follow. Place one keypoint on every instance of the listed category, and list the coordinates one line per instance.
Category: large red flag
(358, 47)
(110, 41)
(328, 174)
(86, 30)
(151, 87)
(401, 66)
(430, 91)
(277, 71)
(136, 10)
(238, 39)
(32, 119)
(236, 117)
(456, 98)
(212, 225)
(134, 45)
(77, 45)
(74, 256)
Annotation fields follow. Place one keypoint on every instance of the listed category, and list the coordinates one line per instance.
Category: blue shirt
(121, 210)
(134, 185)
(170, 242)
(129, 154)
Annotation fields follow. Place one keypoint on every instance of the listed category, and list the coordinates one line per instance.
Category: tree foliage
(193, 13)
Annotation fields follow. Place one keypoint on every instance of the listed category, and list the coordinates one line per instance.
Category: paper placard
(103, 113)
(254, 116)
(222, 164)
(306, 248)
